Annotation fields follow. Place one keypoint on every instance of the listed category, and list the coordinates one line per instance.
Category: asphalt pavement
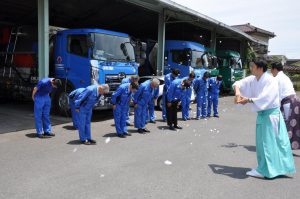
(206, 159)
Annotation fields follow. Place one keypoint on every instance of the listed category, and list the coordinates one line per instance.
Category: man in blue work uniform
(214, 84)
(141, 99)
(84, 106)
(72, 97)
(186, 98)
(134, 78)
(174, 96)
(200, 89)
(42, 105)
(120, 100)
(151, 104)
(168, 80)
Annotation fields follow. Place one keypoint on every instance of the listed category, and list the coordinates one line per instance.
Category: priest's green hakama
(273, 149)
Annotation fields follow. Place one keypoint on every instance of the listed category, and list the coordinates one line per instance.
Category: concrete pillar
(43, 38)
(213, 39)
(161, 43)
(243, 48)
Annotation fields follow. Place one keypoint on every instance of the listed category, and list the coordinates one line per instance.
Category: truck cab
(230, 67)
(187, 56)
(79, 57)
(83, 57)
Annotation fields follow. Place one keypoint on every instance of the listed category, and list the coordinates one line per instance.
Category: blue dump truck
(187, 56)
(79, 57)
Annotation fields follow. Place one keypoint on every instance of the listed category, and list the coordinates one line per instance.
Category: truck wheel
(61, 102)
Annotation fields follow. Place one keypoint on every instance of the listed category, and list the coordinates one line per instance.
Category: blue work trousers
(84, 127)
(75, 115)
(42, 106)
(150, 111)
(120, 114)
(140, 114)
(213, 99)
(201, 106)
(164, 96)
(185, 105)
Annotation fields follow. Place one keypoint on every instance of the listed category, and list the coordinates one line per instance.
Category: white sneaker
(254, 173)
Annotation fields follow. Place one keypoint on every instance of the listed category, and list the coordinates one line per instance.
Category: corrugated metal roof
(159, 5)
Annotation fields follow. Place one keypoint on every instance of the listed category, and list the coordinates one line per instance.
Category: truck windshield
(181, 57)
(232, 62)
(199, 59)
(112, 48)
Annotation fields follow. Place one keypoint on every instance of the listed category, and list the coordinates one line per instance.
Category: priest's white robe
(273, 150)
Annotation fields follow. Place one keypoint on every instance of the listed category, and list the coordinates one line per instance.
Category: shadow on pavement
(110, 135)
(101, 115)
(74, 142)
(17, 116)
(31, 135)
(163, 127)
(233, 172)
(249, 147)
(233, 145)
(34, 135)
(69, 127)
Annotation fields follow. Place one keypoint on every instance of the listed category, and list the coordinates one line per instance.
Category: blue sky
(279, 16)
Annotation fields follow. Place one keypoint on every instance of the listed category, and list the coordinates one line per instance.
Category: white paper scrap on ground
(107, 140)
(74, 150)
(102, 175)
(167, 162)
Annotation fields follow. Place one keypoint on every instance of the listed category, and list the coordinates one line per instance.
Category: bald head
(155, 82)
(103, 89)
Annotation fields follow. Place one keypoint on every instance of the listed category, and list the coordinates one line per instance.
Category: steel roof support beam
(43, 38)
(161, 43)
(213, 39)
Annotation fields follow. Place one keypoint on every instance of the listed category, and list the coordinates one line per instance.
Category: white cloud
(279, 16)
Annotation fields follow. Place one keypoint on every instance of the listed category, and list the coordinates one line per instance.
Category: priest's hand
(237, 99)
(243, 100)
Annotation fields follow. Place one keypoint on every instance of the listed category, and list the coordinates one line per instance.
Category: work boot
(92, 141)
(127, 134)
(49, 134)
(146, 130)
(121, 136)
(177, 127)
(41, 136)
(140, 131)
(171, 128)
(86, 142)
(152, 121)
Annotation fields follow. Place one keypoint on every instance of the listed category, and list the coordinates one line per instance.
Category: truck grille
(113, 81)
